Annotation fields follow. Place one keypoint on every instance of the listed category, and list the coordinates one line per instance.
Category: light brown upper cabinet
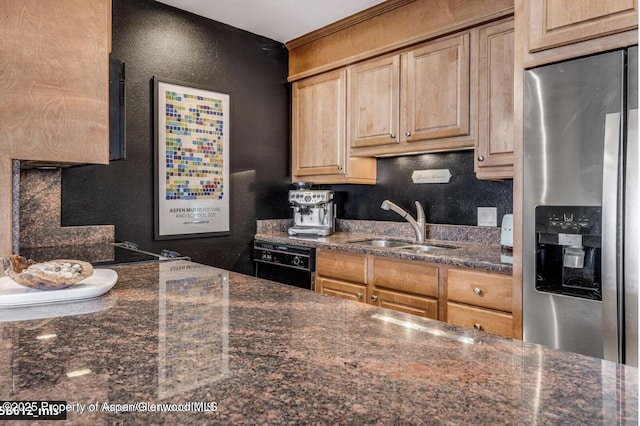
(320, 153)
(436, 91)
(494, 149)
(374, 102)
(555, 23)
(416, 100)
(55, 80)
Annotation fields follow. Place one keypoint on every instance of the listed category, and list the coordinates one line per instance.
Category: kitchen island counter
(266, 353)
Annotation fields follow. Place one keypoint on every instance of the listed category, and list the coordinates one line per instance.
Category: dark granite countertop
(471, 255)
(267, 353)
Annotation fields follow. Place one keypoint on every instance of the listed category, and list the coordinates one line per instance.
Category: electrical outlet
(487, 216)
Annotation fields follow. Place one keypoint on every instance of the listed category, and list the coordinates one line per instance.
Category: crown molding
(349, 21)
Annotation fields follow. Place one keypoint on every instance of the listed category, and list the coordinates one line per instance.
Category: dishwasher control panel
(284, 255)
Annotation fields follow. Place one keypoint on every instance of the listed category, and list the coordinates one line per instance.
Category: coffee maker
(568, 251)
(313, 211)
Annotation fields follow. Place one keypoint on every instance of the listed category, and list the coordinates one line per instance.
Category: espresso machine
(568, 251)
(313, 212)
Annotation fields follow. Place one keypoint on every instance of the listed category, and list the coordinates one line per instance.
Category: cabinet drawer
(411, 277)
(481, 319)
(348, 267)
(421, 306)
(341, 289)
(480, 288)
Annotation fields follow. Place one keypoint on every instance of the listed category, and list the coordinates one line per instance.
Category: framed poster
(191, 161)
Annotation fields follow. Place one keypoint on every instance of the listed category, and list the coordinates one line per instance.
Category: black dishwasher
(287, 264)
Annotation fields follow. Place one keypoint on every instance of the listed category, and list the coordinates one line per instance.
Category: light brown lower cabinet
(405, 286)
(470, 316)
(341, 265)
(406, 276)
(482, 300)
(342, 275)
(345, 290)
(416, 305)
(465, 297)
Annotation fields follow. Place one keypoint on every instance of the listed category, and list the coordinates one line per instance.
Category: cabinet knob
(477, 291)
(407, 134)
(339, 167)
(477, 326)
(392, 135)
(374, 297)
(480, 157)
(359, 295)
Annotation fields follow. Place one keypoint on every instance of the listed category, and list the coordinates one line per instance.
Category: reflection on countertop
(265, 352)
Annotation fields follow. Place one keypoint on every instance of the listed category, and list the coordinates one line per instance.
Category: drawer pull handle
(477, 291)
(392, 135)
(374, 297)
(477, 326)
(359, 295)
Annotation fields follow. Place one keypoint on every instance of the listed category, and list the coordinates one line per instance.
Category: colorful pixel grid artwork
(194, 134)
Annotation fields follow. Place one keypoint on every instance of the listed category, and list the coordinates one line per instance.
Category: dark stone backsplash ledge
(462, 233)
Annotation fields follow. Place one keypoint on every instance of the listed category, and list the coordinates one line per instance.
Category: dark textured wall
(455, 202)
(157, 40)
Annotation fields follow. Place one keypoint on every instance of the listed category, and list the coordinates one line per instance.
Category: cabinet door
(343, 266)
(480, 319)
(344, 290)
(494, 151)
(559, 22)
(410, 277)
(410, 304)
(55, 79)
(318, 125)
(374, 96)
(436, 94)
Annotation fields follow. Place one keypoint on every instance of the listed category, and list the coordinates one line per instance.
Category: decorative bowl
(51, 275)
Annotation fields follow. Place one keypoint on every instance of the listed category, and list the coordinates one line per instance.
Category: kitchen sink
(423, 248)
(403, 245)
(383, 243)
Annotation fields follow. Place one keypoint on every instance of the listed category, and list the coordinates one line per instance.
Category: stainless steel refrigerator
(580, 206)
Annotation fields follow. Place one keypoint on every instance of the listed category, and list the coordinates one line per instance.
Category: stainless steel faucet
(418, 224)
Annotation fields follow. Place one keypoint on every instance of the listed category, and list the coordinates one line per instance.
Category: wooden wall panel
(6, 202)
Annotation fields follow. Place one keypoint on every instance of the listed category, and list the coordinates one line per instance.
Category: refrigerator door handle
(610, 175)
(631, 232)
